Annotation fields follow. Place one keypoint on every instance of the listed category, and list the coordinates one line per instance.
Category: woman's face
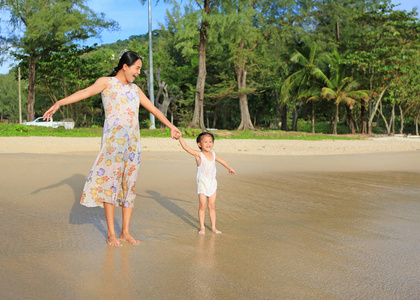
(131, 72)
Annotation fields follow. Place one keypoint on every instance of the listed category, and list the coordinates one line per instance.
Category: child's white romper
(206, 176)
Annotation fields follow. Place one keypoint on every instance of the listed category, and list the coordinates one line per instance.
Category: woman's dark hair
(203, 134)
(128, 58)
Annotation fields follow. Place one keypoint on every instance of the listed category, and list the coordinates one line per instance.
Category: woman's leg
(125, 231)
(109, 215)
(212, 213)
(202, 212)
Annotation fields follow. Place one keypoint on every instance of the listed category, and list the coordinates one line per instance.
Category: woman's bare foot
(202, 231)
(129, 238)
(216, 231)
(113, 241)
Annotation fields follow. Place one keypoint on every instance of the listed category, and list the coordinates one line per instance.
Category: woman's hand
(178, 136)
(49, 113)
(175, 133)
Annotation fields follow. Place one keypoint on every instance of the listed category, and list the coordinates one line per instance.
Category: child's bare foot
(129, 238)
(113, 241)
(216, 231)
(202, 231)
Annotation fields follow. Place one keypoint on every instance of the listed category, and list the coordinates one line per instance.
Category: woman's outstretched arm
(90, 91)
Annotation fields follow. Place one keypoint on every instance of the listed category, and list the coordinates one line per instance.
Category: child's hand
(175, 132)
(232, 172)
(178, 135)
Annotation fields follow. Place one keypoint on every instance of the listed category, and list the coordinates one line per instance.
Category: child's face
(206, 143)
(131, 72)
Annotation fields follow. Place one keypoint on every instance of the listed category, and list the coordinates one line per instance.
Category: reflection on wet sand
(116, 276)
(203, 269)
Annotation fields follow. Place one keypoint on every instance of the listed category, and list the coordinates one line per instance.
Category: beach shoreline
(64, 145)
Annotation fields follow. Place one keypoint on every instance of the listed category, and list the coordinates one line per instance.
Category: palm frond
(318, 74)
(348, 101)
(312, 52)
(352, 85)
(299, 58)
(328, 93)
(309, 93)
(358, 95)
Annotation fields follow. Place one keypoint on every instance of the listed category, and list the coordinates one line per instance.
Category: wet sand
(294, 227)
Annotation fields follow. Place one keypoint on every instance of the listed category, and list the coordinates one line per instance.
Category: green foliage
(39, 28)
(360, 46)
(189, 132)
(65, 71)
(25, 130)
(9, 97)
(10, 130)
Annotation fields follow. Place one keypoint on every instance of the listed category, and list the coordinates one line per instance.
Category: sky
(133, 19)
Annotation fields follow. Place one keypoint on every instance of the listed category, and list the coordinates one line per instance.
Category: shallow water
(336, 227)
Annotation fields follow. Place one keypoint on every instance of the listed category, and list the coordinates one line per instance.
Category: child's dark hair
(203, 134)
(128, 58)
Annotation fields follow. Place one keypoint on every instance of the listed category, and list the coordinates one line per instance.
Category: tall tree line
(251, 64)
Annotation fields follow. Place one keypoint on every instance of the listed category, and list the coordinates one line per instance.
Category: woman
(114, 173)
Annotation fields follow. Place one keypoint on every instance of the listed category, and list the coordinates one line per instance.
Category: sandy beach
(300, 220)
(60, 145)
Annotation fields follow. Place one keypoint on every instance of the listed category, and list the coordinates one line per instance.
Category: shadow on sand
(171, 206)
(80, 214)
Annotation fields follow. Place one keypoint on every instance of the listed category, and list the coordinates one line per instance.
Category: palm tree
(342, 89)
(307, 81)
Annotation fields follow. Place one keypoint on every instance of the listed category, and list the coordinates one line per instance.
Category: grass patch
(8, 130)
(25, 130)
(278, 135)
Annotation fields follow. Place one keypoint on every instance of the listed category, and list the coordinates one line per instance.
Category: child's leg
(212, 213)
(109, 215)
(125, 234)
(202, 212)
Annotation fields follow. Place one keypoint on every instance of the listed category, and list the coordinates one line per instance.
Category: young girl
(206, 176)
(114, 173)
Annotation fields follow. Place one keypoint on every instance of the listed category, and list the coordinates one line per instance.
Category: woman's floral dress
(113, 176)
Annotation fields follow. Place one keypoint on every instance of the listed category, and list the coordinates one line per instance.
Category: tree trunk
(363, 118)
(337, 31)
(375, 109)
(278, 109)
(284, 118)
(30, 103)
(402, 119)
(336, 118)
(388, 126)
(417, 123)
(246, 123)
(198, 117)
(295, 119)
(350, 120)
(215, 117)
(313, 117)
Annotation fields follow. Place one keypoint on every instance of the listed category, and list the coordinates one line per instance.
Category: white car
(41, 122)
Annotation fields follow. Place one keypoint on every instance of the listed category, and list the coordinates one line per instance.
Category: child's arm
(226, 165)
(193, 152)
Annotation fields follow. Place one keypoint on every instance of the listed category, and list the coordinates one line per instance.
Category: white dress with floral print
(113, 176)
